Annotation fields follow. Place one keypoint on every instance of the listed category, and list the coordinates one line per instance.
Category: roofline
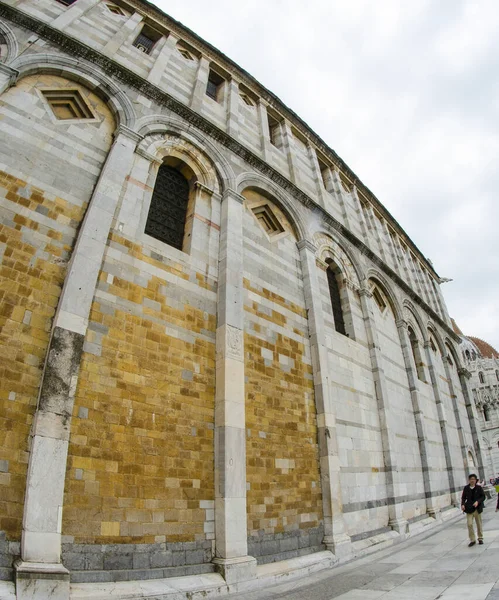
(309, 132)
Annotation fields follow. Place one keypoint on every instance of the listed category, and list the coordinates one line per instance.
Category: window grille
(334, 293)
(146, 39)
(214, 85)
(168, 211)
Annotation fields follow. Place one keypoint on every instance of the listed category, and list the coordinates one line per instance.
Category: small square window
(214, 86)
(185, 53)
(268, 221)
(116, 10)
(68, 104)
(146, 39)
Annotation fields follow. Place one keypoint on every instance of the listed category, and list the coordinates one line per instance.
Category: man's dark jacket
(472, 495)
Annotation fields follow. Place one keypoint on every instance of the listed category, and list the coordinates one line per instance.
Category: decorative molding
(234, 345)
(76, 48)
(308, 245)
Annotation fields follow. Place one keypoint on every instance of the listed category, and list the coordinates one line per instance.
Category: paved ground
(439, 566)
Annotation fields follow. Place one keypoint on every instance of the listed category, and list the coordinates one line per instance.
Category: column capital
(401, 323)
(10, 74)
(123, 130)
(202, 188)
(147, 155)
(307, 245)
(230, 193)
(364, 291)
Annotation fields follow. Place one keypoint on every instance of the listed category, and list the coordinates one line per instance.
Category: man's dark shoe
(480, 542)
(471, 544)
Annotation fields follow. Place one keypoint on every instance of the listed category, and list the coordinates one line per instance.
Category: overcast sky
(407, 93)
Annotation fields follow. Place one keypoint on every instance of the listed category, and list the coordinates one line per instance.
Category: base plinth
(236, 570)
(35, 581)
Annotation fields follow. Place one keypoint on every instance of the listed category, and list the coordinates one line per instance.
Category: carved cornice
(76, 48)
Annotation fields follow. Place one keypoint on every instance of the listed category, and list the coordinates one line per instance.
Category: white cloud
(407, 93)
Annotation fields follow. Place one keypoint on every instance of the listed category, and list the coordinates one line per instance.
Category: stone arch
(163, 145)
(269, 188)
(85, 74)
(413, 316)
(175, 126)
(381, 281)
(453, 352)
(328, 247)
(10, 42)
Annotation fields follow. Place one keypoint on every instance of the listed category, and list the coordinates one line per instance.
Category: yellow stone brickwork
(33, 268)
(141, 463)
(284, 491)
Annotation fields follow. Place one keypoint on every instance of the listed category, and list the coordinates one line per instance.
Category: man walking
(472, 504)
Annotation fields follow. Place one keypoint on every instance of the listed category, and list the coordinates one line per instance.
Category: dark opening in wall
(336, 304)
(146, 39)
(214, 87)
(275, 130)
(168, 210)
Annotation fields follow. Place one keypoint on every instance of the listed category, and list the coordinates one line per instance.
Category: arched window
(416, 353)
(486, 413)
(467, 355)
(481, 377)
(334, 292)
(168, 211)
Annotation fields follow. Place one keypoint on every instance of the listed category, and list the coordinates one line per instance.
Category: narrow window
(486, 415)
(66, 2)
(275, 133)
(334, 293)
(378, 298)
(214, 86)
(467, 355)
(325, 170)
(497, 375)
(481, 377)
(146, 39)
(168, 211)
(416, 354)
(246, 99)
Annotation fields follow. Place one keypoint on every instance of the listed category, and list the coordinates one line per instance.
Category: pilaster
(321, 190)
(464, 376)
(424, 446)
(42, 519)
(336, 538)
(73, 13)
(394, 486)
(231, 546)
(199, 91)
(340, 194)
(264, 131)
(442, 418)
(129, 29)
(233, 109)
(289, 150)
(162, 59)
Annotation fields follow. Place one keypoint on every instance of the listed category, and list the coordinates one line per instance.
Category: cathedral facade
(219, 349)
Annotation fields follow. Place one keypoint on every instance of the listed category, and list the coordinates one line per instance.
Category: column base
(340, 545)
(401, 526)
(34, 581)
(434, 513)
(235, 570)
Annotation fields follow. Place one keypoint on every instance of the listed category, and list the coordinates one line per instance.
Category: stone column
(340, 194)
(394, 489)
(233, 109)
(442, 418)
(360, 211)
(199, 91)
(8, 77)
(129, 29)
(289, 150)
(74, 12)
(336, 538)
(162, 60)
(319, 182)
(231, 533)
(464, 376)
(424, 446)
(264, 131)
(40, 572)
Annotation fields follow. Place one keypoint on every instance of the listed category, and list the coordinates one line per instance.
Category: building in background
(219, 349)
(482, 361)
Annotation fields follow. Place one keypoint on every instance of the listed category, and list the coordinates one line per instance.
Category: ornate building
(219, 349)
(482, 361)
